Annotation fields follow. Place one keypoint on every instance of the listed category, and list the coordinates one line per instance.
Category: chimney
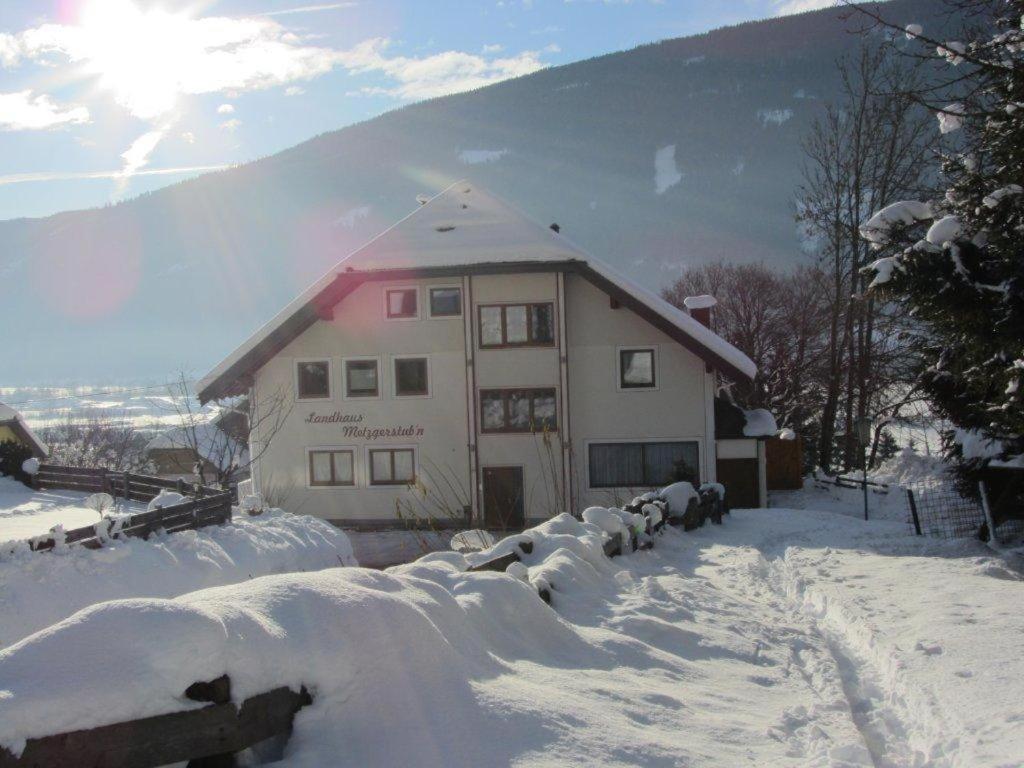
(699, 308)
(555, 228)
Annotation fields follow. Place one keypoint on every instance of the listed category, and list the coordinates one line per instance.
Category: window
(636, 369)
(446, 302)
(313, 379)
(392, 466)
(411, 377)
(361, 378)
(517, 325)
(642, 465)
(332, 468)
(401, 303)
(517, 410)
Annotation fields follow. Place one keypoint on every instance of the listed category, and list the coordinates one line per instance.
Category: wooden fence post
(127, 485)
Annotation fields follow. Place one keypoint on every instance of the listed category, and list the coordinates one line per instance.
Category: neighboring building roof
(463, 230)
(11, 418)
(212, 443)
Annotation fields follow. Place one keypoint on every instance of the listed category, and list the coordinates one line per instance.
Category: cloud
(137, 156)
(436, 75)
(225, 109)
(21, 178)
(789, 7)
(230, 125)
(20, 111)
(10, 50)
(493, 48)
(310, 9)
(188, 137)
(294, 90)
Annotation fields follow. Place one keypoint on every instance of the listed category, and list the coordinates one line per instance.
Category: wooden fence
(209, 506)
(208, 736)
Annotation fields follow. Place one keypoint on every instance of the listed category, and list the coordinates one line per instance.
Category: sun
(139, 55)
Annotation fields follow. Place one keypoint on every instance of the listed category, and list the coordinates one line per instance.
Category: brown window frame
(505, 343)
(506, 394)
(392, 451)
(394, 371)
(622, 368)
(298, 379)
(349, 395)
(387, 303)
(333, 482)
(430, 301)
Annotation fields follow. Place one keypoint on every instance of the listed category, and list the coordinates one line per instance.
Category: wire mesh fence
(943, 512)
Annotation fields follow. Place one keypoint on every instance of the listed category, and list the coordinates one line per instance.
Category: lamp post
(864, 437)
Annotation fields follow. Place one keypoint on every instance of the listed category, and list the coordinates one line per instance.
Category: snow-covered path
(781, 638)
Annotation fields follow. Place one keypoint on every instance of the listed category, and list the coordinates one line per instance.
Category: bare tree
(874, 147)
(219, 443)
(96, 441)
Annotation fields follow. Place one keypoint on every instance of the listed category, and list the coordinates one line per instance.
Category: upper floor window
(517, 410)
(446, 301)
(637, 369)
(401, 303)
(517, 325)
(362, 378)
(313, 379)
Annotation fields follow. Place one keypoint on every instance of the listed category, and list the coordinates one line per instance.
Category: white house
(474, 366)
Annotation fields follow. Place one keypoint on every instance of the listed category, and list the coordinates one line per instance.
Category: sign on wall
(353, 428)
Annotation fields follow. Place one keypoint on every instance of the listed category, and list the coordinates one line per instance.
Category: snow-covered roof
(463, 227)
(211, 442)
(10, 417)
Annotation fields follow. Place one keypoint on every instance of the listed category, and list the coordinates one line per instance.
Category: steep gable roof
(463, 229)
(15, 421)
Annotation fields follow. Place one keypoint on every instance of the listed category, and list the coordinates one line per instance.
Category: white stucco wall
(601, 412)
(678, 409)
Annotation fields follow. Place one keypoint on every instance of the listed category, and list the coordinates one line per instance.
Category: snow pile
(993, 199)
(678, 496)
(759, 423)
(944, 230)
(30, 466)
(472, 541)
(951, 117)
(666, 172)
(43, 588)
(25, 513)
(700, 302)
(913, 30)
(787, 637)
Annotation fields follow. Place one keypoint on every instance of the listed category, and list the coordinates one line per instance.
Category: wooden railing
(209, 506)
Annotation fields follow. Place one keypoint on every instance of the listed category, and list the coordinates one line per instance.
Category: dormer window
(401, 303)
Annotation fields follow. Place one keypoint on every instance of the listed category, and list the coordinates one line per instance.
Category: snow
(914, 30)
(876, 229)
(30, 466)
(25, 513)
(211, 442)
(477, 156)
(774, 116)
(44, 588)
(787, 434)
(759, 423)
(974, 445)
(471, 541)
(486, 230)
(700, 302)
(666, 172)
(8, 414)
(950, 117)
(993, 199)
(678, 496)
(944, 230)
(783, 637)
(883, 269)
(952, 52)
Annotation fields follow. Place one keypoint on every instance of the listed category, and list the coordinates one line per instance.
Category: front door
(503, 498)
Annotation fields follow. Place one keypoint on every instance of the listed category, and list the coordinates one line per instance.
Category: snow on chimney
(699, 308)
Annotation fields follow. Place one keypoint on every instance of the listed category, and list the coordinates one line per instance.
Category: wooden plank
(57, 468)
(164, 739)
(497, 564)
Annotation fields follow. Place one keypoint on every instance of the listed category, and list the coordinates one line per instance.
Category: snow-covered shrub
(678, 496)
(12, 459)
(166, 499)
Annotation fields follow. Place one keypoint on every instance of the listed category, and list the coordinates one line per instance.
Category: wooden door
(503, 498)
(739, 476)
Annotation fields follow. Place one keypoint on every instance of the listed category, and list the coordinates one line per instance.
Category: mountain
(674, 153)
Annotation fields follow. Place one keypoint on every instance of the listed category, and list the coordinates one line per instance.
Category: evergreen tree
(964, 279)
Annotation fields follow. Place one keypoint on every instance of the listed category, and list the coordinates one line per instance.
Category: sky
(101, 100)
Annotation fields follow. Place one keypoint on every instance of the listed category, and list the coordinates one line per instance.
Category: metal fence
(940, 510)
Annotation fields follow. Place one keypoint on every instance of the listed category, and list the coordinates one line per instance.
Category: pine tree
(964, 280)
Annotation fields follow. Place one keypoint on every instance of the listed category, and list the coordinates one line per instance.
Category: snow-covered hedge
(43, 588)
